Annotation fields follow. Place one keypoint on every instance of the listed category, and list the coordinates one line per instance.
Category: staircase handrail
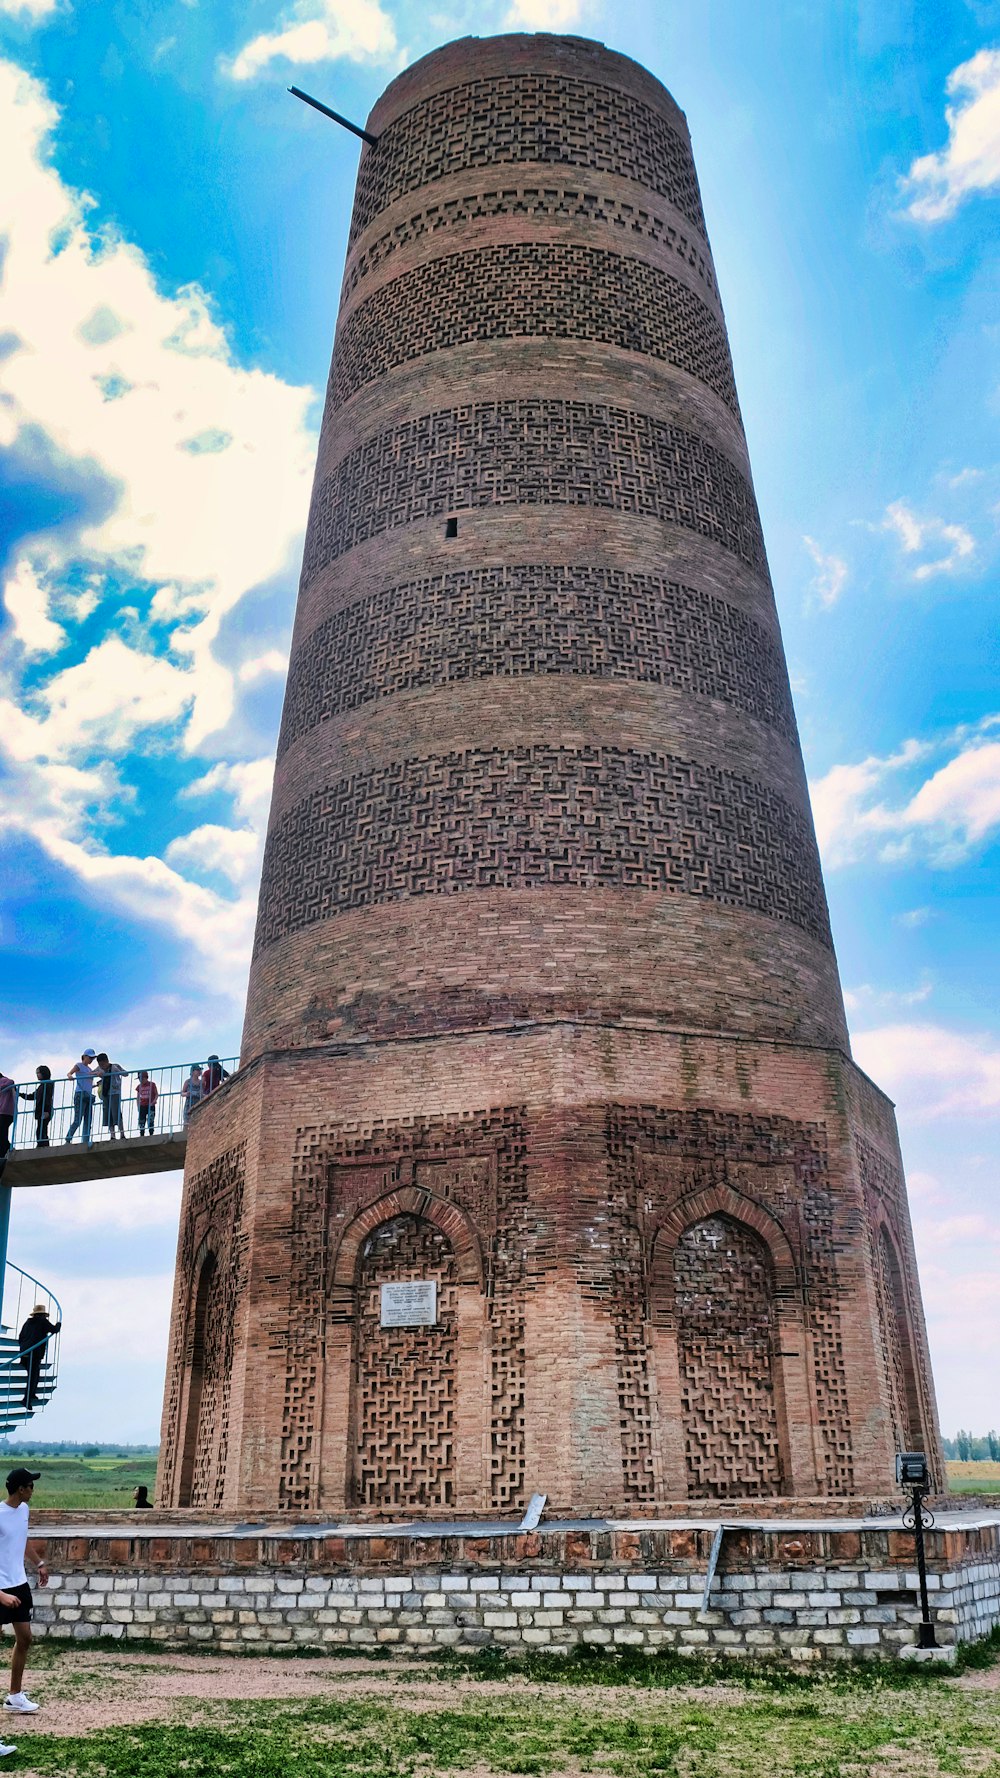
(47, 1339)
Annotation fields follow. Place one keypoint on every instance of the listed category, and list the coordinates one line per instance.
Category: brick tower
(544, 1012)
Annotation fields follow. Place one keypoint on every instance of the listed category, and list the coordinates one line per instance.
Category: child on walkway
(146, 1095)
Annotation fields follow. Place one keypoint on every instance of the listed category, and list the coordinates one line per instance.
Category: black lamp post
(913, 1474)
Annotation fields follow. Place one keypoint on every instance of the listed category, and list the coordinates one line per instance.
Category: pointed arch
(430, 1236)
(409, 1200)
(764, 1250)
(206, 1275)
(897, 1338)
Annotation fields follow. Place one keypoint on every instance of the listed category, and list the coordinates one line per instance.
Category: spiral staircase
(20, 1295)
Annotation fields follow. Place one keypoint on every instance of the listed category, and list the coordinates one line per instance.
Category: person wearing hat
(82, 1076)
(15, 1593)
(33, 1339)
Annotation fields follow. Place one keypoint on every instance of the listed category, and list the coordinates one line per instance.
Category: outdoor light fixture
(911, 1470)
(913, 1474)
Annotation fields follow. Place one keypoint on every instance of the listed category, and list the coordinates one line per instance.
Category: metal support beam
(345, 122)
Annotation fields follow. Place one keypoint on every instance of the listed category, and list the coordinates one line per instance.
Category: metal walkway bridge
(134, 1121)
(113, 1136)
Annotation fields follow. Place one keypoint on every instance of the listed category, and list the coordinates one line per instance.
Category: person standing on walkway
(33, 1340)
(43, 1098)
(112, 1074)
(146, 1095)
(14, 1547)
(213, 1076)
(82, 1076)
(8, 1112)
(191, 1091)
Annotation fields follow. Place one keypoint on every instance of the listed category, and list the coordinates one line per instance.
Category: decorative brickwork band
(547, 118)
(481, 623)
(533, 290)
(532, 453)
(540, 817)
(549, 204)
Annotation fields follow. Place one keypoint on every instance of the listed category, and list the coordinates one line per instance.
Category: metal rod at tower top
(355, 128)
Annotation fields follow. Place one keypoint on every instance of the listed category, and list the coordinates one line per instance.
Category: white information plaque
(410, 1305)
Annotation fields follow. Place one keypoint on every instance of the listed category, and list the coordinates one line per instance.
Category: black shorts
(21, 1612)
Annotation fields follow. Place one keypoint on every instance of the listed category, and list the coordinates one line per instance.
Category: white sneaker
(7, 1747)
(20, 1704)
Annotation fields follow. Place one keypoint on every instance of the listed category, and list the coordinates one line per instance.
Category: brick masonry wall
(543, 1005)
(800, 1595)
(565, 1166)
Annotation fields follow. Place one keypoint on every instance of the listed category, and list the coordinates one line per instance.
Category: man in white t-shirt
(15, 1593)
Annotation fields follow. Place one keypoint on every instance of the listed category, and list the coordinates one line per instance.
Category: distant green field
(974, 1478)
(84, 1482)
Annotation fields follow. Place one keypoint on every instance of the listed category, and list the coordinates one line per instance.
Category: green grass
(938, 1729)
(80, 1483)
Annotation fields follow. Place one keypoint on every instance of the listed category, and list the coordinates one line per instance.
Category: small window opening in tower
(451, 527)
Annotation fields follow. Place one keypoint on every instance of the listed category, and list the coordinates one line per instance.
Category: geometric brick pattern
(532, 291)
(527, 117)
(536, 204)
(588, 817)
(404, 1408)
(709, 1148)
(725, 1320)
(532, 452)
(477, 1164)
(512, 622)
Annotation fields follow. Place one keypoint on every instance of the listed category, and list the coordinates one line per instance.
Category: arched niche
(408, 1431)
(897, 1343)
(203, 1339)
(728, 1343)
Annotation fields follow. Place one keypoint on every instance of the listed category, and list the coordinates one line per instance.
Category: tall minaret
(544, 1019)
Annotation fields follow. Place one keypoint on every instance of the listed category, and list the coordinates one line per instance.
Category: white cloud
(32, 10)
(98, 1311)
(970, 161)
(27, 601)
(932, 1071)
(100, 704)
(912, 918)
(232, 852)
(830, 579)
(865, 998)
(950, 545)
(203, 471)
(248, 782)
(114, 1205)
(120, 379)
(942, 819)
(543, 15)
(323, 31)
(274, 661)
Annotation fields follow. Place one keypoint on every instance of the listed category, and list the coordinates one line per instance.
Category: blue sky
(173, 228)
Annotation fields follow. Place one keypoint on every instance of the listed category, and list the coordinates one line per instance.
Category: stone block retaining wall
(807, 1595)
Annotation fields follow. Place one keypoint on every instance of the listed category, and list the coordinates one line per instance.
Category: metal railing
(21, 1294)
(113, 1110)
